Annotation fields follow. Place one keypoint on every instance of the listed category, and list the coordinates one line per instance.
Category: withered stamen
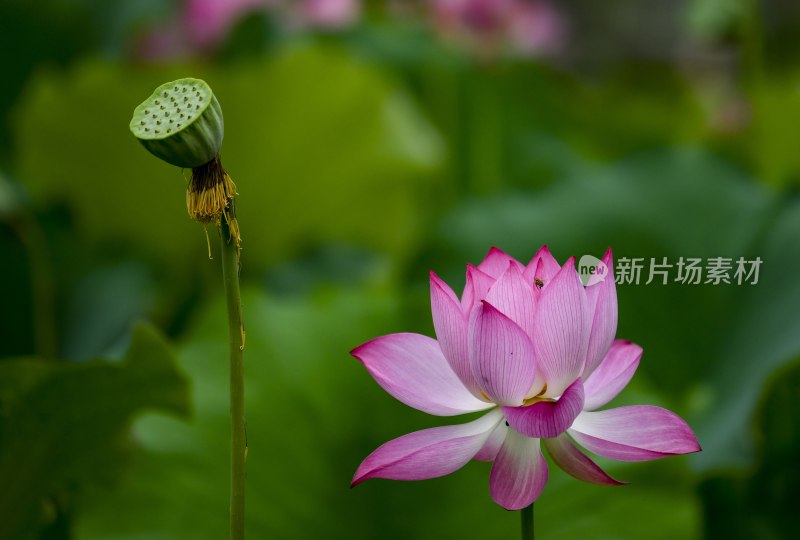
(209, 197)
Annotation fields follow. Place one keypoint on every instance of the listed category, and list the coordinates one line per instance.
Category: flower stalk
(230, 275)
(526, 518)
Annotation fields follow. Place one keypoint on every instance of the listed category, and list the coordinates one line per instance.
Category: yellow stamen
(207, 203)
(210, 197)
(537, 398)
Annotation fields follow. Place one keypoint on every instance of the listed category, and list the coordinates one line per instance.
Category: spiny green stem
(526, 515)
(230, 275)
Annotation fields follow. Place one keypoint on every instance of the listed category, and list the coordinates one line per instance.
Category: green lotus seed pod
(180, 123)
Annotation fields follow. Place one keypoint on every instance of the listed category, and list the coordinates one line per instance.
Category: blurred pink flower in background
(536, 347)
(528, 27)
(203, 25)
(536, 28)
(207, 22)
(485, 27)
(328, 14)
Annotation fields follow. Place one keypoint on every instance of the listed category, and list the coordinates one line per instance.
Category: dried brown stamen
(210, 196)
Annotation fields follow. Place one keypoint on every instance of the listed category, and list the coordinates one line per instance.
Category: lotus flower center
(537, 398)
(527, 401)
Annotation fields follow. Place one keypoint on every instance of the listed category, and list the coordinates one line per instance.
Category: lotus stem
(230, 275)
(34, 241)
(526, 515)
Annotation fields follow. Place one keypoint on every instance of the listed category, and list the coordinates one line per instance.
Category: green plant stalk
(752, 44)
(34, 241)
(487, 132)
(526, 515)
(230, 275)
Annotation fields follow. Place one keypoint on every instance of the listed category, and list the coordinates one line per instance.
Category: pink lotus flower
(203, 25)
(330, 14)
(538, 350)
(208, 21)
(527, 27)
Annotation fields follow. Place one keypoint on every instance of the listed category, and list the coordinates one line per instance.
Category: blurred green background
(371, 142)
